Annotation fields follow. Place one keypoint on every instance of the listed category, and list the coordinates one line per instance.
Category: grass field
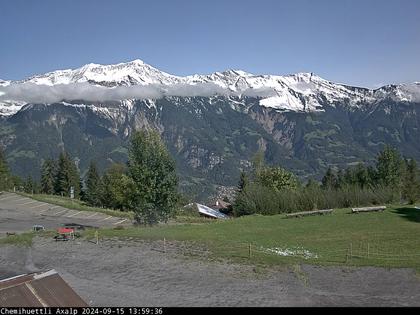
(388, 239)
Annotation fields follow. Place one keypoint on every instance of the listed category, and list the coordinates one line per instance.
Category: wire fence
(354, 253)
(349, 255)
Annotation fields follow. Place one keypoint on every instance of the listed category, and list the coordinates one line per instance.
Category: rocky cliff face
(210, 139)
(212, 124)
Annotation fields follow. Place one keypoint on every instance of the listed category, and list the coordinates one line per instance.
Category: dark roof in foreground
(38, 290)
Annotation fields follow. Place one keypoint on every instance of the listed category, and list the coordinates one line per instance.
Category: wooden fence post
(351, 252)
(164, 245)
(249, 250)
(368, 251)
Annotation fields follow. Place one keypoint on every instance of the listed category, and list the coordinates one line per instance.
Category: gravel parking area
(19, 214)
(136, 273)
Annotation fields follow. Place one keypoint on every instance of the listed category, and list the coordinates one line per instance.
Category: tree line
(7, 179)
(58, 176)
(147, 184)
(4, 173)
(390, 170)
(272, 190)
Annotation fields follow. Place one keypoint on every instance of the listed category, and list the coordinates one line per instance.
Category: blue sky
(358, 42)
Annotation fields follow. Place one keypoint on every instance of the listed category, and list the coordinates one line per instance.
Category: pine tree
(411, 189)
(349, 177)
(16, 182)
(62, 186)
(82, 190)
(48, 174)
(93, 186)
(329, 181)
(361, 175)
(243, 181)
(29, 185)
(152, 171)
(67, 176)
(372, 176)
(341, 181)
(5, 177)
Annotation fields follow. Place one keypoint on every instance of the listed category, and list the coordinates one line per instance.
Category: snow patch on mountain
(4, 82)
(135, 72)
(125, 82)
(9, 108)
(408, 92)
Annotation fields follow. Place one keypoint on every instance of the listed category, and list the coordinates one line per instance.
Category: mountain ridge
(303, 91)
(212, 124)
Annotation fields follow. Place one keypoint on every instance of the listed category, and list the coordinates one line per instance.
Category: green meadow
(389, 239)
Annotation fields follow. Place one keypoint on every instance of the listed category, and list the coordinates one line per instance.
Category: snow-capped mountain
(409, 92)
(300, 121)
(135, 72)
(4, 83)
(295, 92)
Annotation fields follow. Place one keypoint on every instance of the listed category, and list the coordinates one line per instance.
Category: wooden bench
(305, 213)
(368, 209)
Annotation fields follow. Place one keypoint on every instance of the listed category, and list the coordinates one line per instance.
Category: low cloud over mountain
(35, 93)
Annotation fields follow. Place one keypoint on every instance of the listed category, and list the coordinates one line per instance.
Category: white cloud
(35, 93)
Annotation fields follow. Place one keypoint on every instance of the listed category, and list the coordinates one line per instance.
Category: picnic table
(64, 234)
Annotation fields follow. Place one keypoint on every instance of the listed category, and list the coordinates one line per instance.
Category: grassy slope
(393, 237)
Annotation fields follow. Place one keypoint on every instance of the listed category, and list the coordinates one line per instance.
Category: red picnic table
(64, 234)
